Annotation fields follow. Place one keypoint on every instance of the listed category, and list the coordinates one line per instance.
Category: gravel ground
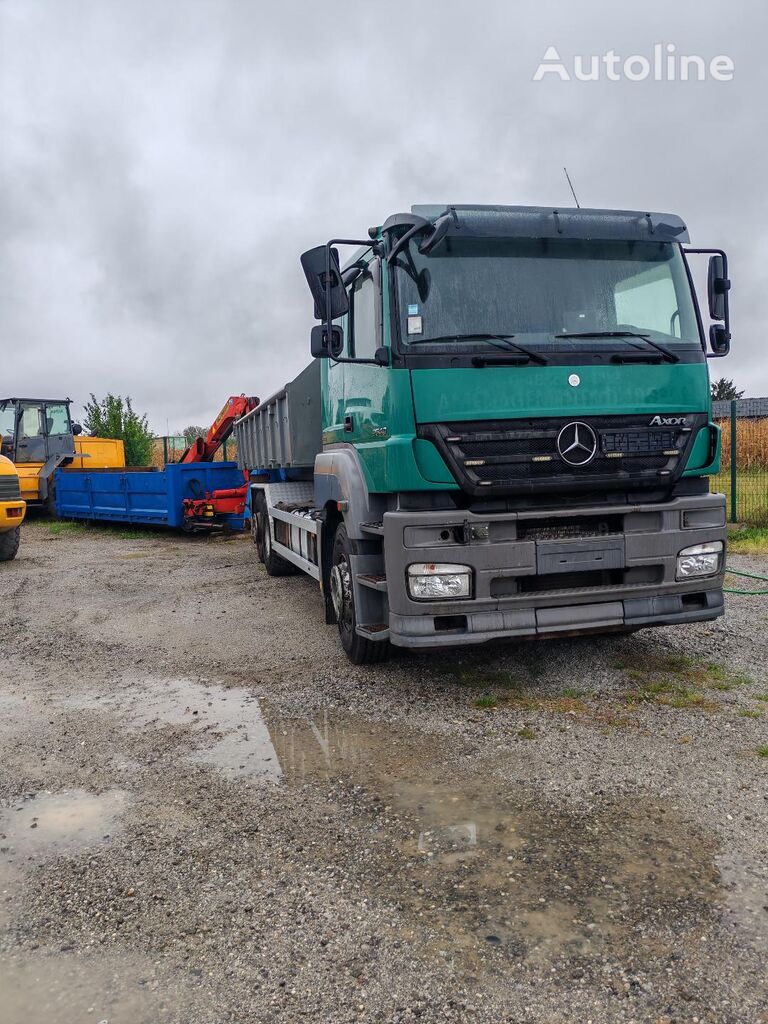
(208, 815)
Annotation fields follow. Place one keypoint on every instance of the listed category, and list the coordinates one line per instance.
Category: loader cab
(34, 430)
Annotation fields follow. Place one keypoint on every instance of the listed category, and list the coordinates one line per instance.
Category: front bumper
(12, 514)
(592, 569)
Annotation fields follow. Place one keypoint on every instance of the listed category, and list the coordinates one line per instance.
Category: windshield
(7, 422)
(468, 291)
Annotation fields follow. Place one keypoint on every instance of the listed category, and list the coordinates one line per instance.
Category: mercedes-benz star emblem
(577, 443)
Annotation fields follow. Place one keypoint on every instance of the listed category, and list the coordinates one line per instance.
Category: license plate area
(579, 556)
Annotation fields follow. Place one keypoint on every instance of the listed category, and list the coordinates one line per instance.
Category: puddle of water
(747, 895)
(54, 823)
(226, 723)
(69, 990)
(486, 867)
(51, 824)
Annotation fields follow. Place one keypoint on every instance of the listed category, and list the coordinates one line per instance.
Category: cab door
(30, 433)
(365, 384)
(58, 430)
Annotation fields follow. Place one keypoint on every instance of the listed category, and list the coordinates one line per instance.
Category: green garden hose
(751, 576)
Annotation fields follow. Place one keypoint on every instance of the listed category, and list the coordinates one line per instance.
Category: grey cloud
(162, 165)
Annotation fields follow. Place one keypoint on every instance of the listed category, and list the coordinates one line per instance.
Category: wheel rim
(341, 594)
(266, 538)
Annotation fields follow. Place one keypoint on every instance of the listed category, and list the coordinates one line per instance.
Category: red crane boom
(205, 512)
(203, 449)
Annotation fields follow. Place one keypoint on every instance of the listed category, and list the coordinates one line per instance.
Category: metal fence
(744, 474)
(171, 449)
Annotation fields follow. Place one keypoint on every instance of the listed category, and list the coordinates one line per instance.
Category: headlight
(438, 581)
(700, 560)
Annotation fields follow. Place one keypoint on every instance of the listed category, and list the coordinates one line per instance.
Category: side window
(648, 300)
(57, 419)
(31, 421)
(364, 318)
(343, 322)
(7, 423)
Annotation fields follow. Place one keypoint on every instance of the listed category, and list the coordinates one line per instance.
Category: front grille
(521, 456)
(578, 528)
(9, 488)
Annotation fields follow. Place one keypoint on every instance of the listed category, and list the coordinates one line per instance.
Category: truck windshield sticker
(413, 309)
(415, 325)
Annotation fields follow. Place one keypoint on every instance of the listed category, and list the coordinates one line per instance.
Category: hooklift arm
(204, 449)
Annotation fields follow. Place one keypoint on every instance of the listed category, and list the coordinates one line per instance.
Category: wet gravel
(208, 815)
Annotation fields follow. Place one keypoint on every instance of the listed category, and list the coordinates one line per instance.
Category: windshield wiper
(618, 357)
(508, 345)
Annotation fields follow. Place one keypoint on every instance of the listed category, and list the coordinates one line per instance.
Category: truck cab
(514, 435)
(37, 436)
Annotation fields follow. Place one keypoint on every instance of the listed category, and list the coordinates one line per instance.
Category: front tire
(359, 649)
(9, 544)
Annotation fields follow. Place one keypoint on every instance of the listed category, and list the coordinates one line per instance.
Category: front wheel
(9, 544)
(359, 649)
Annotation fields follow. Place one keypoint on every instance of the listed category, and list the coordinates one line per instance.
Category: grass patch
(486, 702)
(751, 541)
(677, 680)
(669, 693)
(760, 696)
(750, 713)
(528, 734)
(59, 526)
(573, 692)
(762, 750)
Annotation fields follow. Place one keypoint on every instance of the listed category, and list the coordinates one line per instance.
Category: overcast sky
(163, 163)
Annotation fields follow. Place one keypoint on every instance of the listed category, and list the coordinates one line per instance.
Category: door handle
(348, 423)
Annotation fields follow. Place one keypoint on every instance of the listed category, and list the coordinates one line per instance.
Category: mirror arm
(369, 362)
(724, 289)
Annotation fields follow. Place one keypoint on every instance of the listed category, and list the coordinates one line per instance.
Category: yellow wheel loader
(12, 510)
(38, 436)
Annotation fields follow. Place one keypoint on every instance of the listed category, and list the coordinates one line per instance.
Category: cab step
(377, 529)
(374, 631)
(372, 580)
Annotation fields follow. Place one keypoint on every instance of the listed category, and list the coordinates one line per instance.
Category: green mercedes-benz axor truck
(505, 431)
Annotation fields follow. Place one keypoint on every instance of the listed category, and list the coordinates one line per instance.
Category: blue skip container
(151, 496)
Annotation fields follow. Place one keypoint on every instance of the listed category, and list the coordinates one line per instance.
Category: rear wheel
(359, 649)
(9, 544)
(262, 538)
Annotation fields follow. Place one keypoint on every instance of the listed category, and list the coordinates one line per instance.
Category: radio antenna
(578, 204)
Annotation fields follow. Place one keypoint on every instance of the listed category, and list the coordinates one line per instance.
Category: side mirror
(76, 429)
(321, 268)
(323, 347)
(719, 339)
(718, 287)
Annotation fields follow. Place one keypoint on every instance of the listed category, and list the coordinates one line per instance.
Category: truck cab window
(57, 419)
(31, 422)
(363, 319)
(648, 301)
(7, 425)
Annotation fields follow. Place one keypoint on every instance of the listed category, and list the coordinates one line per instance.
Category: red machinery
(204, 511)
(204, 449)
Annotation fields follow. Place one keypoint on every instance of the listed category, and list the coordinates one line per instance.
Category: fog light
(700, 560)
(438, 581)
